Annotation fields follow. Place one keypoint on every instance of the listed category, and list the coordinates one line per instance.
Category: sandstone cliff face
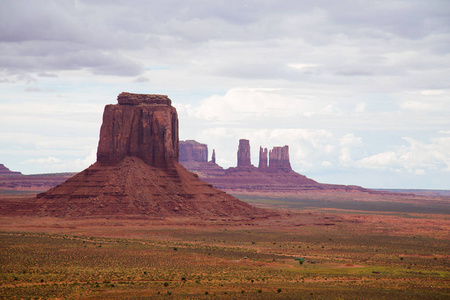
(279, 159)
(262, 158)
(145, 126)
(243, 154)
(192, 150)
(194, 157)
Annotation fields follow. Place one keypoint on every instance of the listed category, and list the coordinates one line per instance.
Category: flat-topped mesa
(279, 159)
(243, 154)
(144, 126)
(136, 99)
(191, 150)
(262, 158)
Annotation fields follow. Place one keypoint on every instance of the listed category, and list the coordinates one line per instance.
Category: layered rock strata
(4, 171)
(144, 126)
(137, 171)
(193, 156)
(273, 177)
(192, 150)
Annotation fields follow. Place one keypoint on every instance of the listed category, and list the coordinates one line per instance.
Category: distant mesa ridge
(276, 159)
(4, 171)
(192, 150)
(137, 172)
(274, 173)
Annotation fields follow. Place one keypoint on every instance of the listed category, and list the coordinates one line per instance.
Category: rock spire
(262, 158)
(243, 154)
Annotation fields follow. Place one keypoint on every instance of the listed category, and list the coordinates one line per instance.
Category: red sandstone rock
(38, 182)
(243, 154)
(134, 188)
(145, 126)
(192, 150)
(136, 99)
(278, 178)
(193, 156)
(262, 158)
(137, 171)
(279, 159)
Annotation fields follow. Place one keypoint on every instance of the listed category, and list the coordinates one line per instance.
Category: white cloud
(44, 161)
(416, 157)
(350, 146)
(249, 104)
(432, 92)
(53, 164)
(301, 66)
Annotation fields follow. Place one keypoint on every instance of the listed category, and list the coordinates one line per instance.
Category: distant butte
(273, 175)
(137, 173)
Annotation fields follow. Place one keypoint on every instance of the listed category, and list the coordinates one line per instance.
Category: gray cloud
(99, 35)
(378, 66)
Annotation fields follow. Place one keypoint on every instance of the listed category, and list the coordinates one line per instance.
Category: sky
(358, 89)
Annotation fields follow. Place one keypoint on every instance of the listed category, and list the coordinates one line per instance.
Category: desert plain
(316, 246)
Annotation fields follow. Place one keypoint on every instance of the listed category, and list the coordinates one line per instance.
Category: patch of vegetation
(351, 265)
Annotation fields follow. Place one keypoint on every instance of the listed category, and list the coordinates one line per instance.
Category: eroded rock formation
(144, 126)
(243, 154)
(193, 156)
(273, 177)
(137, 171)
(262, 158)
(279, 159)
(192, 150)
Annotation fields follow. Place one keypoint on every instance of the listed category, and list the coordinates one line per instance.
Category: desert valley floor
(320, 246)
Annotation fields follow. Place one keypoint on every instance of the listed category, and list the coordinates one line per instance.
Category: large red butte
(137, 171)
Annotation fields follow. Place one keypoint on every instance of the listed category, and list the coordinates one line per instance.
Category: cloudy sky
(358, 89)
